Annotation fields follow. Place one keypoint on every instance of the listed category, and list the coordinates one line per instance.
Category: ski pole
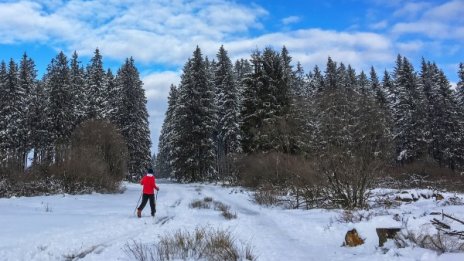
(135, 210)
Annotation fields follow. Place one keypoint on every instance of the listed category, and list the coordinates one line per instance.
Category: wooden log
(386, 233)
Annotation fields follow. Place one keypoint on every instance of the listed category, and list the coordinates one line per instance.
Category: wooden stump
(352, 239)
(386, 233)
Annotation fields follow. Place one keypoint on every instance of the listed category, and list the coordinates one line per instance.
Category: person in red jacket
(149, 185)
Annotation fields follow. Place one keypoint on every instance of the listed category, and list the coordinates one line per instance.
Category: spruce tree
(378, 90)
(113, 97)
(408, 113)
(194, 147)
(460, 86)
(132, 119)
(95, 87)
(78, 88)
(39, 132)
(13, 111)
(60, 106)
(442, 120)
(251, 122)
(27, 82)
(4, 95)
(315, 82)
(167, 137)
(228, 111)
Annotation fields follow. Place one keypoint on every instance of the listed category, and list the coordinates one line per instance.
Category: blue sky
(162, 34)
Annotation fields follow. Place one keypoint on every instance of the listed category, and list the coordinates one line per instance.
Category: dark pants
(145, 198)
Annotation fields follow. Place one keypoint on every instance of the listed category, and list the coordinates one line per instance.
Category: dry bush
(139, 251)
(97, 158)
(225, 210)
(266, 195)
(34, 182)
(201, 244)
(200, 204)
(281, 178)
(423, 174)
(439, 241)
(206, 204)
(348, 216)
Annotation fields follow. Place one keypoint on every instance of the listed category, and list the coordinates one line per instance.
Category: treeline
(38, 116)
(222, 115)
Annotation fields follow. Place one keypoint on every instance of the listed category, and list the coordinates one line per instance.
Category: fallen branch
(440, 224)
(453, 218)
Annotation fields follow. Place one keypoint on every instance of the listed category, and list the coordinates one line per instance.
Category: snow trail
(98, 226)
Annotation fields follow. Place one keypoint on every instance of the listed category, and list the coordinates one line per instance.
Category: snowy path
(53, 227)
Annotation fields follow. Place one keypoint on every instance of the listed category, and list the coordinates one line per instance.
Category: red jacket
(149, 184)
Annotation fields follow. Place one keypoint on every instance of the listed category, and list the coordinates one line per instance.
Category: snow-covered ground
(54, 227)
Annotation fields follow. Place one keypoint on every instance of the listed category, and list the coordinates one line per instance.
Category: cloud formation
(443, 21)
(290, 20)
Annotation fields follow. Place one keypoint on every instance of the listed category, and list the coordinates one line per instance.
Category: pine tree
(228, 111)
(39, 124)
(113, 97)
(28, 82)
(77, 81)
(364, 85)
(379, 91)
(315, 82)
(132, 119)
(4, 95)
(460, 86)
(408, 114)
(60, 107)
(194, 147)
(13, 111)
(167, 137)
(96, 89)
(331, 79)
(441, 116)
(251, 121)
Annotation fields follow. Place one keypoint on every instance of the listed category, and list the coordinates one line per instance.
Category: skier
(149, 184)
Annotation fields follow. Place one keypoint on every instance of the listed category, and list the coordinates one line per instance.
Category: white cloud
(379, 25)
(411, 10)
(410, 46)
(157, 84)
(166, 32)
(290, 20)
(313, 46)
(443, 21)
(160, 31)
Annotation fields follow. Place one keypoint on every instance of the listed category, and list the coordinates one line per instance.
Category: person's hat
(150, 171)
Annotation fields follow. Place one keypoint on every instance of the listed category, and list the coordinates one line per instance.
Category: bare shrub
(348, 216)
(201, 244)
(423, 174)
(225, 210)
(97, 159)
(31, 183)
(439, 241)
(281, 178)
(200, 204)
(139, 251)
(266, 195)
(206, 204)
